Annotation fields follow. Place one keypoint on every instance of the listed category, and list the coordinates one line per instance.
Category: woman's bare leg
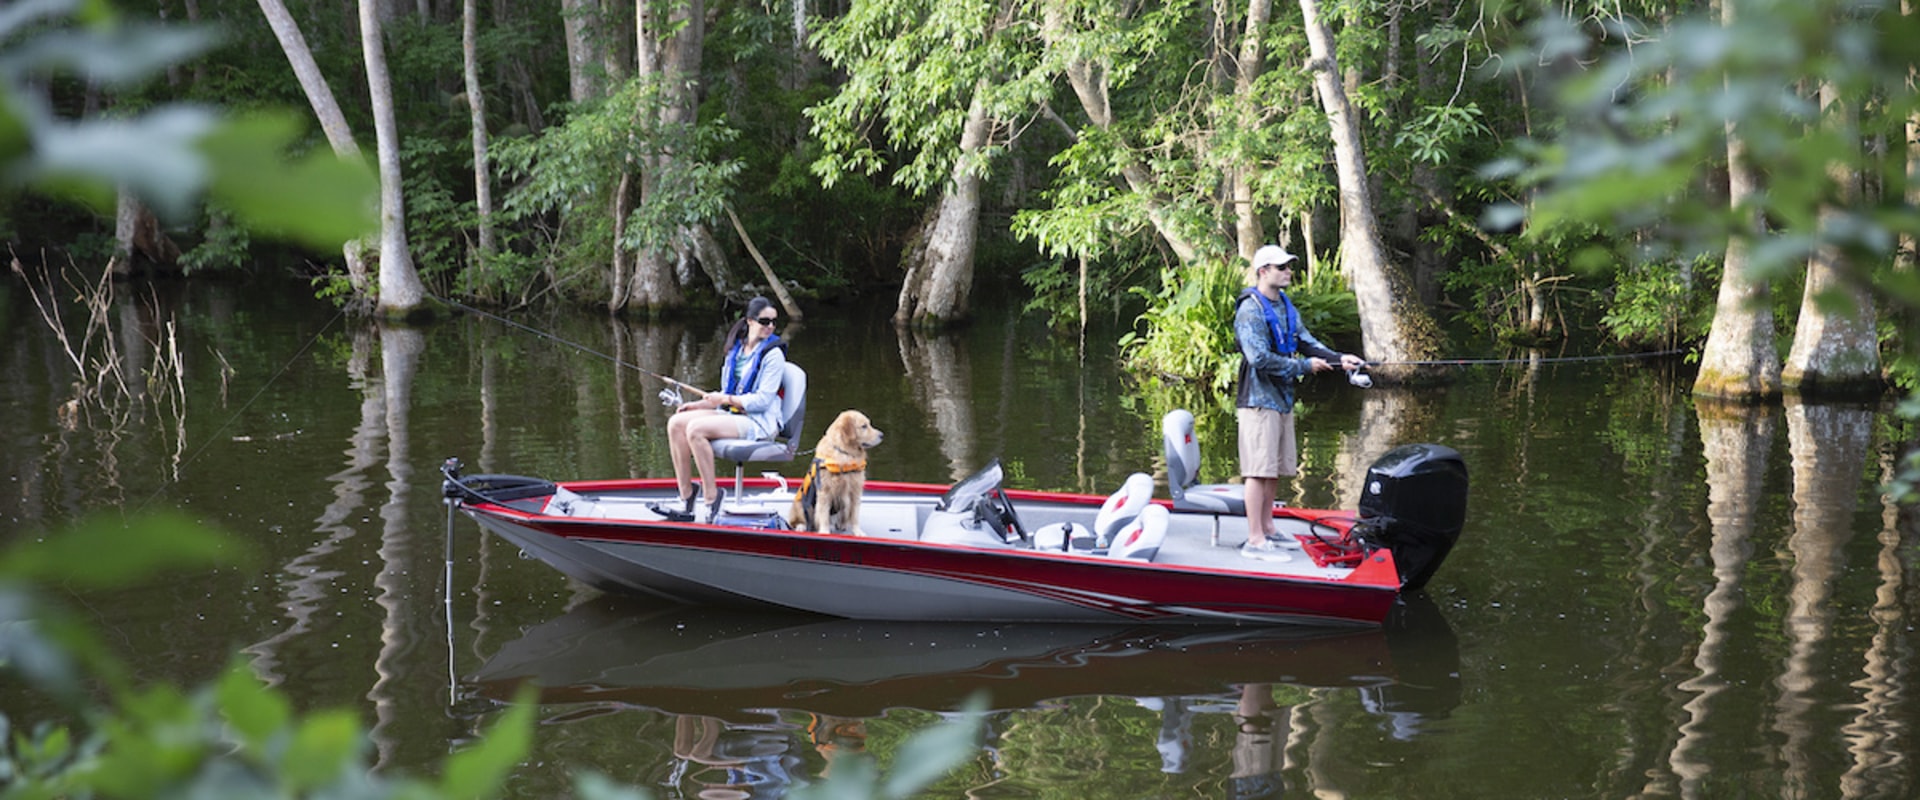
(681, 449)
(700, 434)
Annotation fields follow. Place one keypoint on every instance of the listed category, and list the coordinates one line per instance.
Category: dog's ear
(843, 429)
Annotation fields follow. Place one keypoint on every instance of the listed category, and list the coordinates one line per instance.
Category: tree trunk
(668, 55)
(1738, 361)
(1905, 257)
(937, 288)
(617, 279)
(477, 105)
(1246, 218)
(579, 21)
(333, 123)
(1835, 350)
(1393, 325)
(616, 54)
(400, 289)
(126, 217)
(511, 71)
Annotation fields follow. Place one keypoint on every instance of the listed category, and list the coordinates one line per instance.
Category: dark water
(1652, 597)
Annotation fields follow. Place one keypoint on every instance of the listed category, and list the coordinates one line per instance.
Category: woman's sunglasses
(768, 321)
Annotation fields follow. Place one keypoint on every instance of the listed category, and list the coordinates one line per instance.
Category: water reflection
(306, 579)
(1735, 440)
(748, 692)
(400, 350)
(1829, 445)
(1389, 418)
(938, 370)
(1877, 735)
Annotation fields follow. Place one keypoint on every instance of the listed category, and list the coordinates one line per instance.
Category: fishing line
(248, 404)
(670, 396)
(1469, 362)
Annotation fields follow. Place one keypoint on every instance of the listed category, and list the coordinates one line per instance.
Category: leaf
(250, 707)
(108, 552)
(326, 744)
(153, 154)
(932, 753)
(112, 55)
(317, 199)
(478, 771)
(592, 785)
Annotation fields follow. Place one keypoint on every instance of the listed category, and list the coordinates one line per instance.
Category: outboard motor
(1414, 503)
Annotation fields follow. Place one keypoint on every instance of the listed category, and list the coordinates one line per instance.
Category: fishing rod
(1469, 362)
(1359, 377)
(669, 396)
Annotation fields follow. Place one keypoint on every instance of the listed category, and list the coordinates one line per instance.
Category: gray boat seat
(1182, 451)
(785, 442)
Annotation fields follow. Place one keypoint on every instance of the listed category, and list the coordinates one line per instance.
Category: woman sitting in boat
(747, 406)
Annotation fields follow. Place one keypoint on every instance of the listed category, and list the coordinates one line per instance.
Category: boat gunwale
(1376, 572)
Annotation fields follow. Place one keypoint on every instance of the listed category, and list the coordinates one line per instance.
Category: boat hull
(890, 579)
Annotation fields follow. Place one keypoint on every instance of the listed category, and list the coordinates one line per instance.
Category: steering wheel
(1001, 506)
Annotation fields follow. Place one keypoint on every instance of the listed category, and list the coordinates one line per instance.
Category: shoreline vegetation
(1094, 161)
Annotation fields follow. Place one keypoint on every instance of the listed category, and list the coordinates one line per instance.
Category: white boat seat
(1140, 539)
(785, 442)
(1117, 518)
(1182, 451)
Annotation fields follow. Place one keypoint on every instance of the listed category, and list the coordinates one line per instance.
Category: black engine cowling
(1414, 503)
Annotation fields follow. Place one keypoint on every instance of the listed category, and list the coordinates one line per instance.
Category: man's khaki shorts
(1267, 448)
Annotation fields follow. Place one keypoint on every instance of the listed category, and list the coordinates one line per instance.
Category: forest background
(1530, 164)
(1544, 168)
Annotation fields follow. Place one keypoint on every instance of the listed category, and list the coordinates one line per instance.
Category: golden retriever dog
(829, 498)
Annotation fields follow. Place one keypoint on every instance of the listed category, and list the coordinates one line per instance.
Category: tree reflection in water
(1644, 615)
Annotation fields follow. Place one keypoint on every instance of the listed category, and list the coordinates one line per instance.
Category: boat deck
(1192, 540)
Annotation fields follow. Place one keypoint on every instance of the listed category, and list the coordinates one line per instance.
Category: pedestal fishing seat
(784, 443)
(1182, 452)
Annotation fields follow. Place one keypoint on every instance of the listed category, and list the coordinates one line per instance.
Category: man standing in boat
(1275, 351)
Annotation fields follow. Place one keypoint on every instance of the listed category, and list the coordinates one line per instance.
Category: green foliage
(225, 246)
(1660, 306)
(1190, 326)
(238, 737)
(169, 154)
(434, 217)
(1054, 283)
(1804, 86)
(917, 66)
(1431, 136)
(1633, 166)
(571, 171)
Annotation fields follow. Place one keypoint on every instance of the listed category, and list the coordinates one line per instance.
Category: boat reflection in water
(762, 701)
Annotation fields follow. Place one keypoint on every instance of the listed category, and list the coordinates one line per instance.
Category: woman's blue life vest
(734, 380)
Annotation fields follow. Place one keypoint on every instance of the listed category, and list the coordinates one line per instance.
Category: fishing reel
(1358, 376)
(670, 397)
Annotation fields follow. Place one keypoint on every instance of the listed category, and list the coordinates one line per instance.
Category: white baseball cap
(1271, 255)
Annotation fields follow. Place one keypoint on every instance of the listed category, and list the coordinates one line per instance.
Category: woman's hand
(717, 400)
